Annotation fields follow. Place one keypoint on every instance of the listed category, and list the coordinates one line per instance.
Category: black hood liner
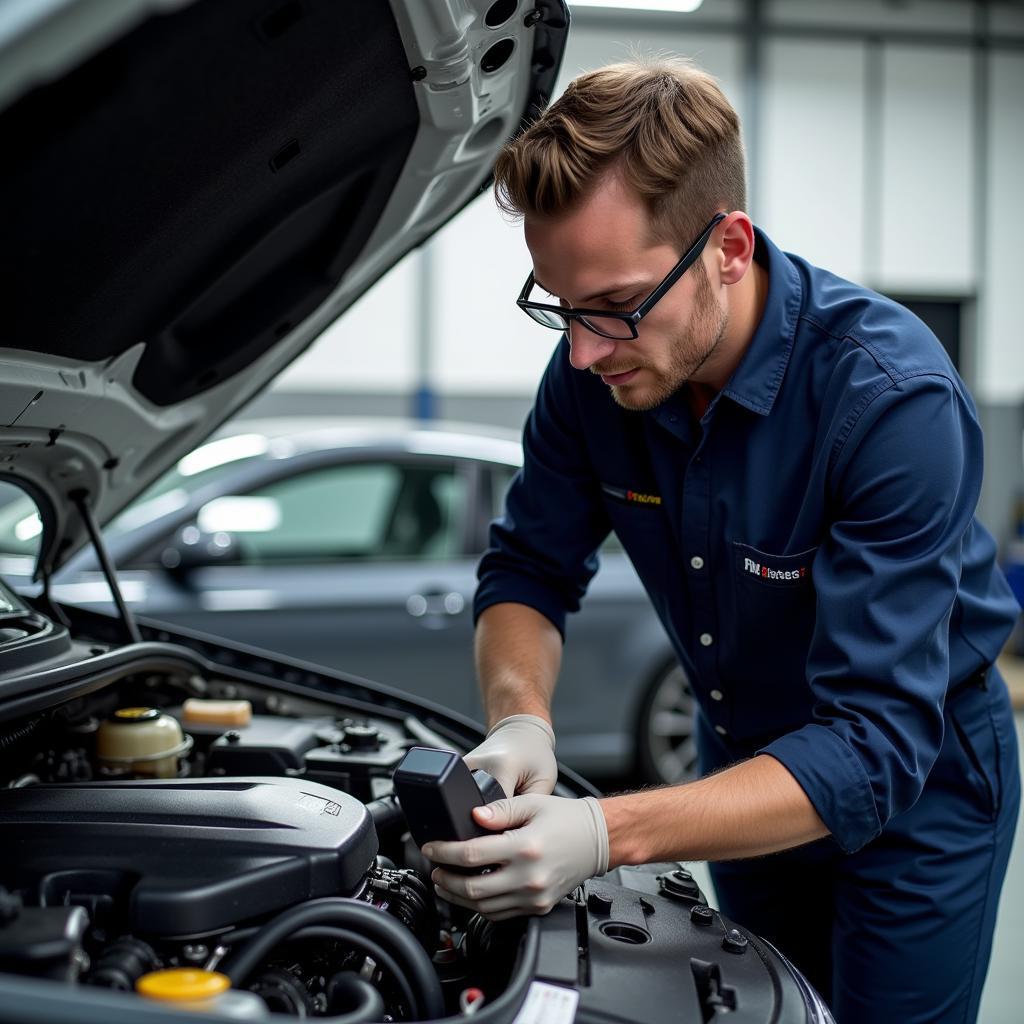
(201, 185)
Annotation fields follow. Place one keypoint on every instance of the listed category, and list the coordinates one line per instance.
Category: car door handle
(435, 604)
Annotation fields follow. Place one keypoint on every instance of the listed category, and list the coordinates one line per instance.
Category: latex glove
(519, 752)
(552, 844)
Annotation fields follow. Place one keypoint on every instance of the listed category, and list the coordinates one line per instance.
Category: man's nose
(586, 347)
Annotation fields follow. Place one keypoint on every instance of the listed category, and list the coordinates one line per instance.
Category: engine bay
(148, 829)
(179, 810)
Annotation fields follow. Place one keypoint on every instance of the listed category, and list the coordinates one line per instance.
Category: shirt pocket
(773, 612)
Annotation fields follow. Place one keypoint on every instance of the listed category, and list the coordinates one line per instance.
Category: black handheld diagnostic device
(438, 793)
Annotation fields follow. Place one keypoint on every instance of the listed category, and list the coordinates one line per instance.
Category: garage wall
(1001, 356)
(373, 346)
(885, 141)
(810, 194)
(924, 222)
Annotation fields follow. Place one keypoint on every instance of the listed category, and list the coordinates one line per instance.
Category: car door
(358, 565)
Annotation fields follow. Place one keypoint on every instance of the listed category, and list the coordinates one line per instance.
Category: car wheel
(666, 741)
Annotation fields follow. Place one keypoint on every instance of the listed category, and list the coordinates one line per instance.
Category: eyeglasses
(608, 324)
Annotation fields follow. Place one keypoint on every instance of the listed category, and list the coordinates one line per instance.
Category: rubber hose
(328, 931)
(386, 813)
(361, 917)
(385, 959)
(352, 988)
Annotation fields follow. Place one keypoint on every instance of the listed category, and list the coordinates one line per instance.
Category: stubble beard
(688, 352)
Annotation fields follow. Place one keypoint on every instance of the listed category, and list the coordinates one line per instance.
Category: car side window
(363, 510)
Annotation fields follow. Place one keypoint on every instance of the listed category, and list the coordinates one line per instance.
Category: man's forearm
(518, 654)
(748, 810)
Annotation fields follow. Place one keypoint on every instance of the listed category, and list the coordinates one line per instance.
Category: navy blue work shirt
(810, 545)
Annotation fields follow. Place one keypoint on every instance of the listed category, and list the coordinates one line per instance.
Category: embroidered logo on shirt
(631, 497)
(765, 572)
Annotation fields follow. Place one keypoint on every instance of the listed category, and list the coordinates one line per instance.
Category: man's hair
(662, 124)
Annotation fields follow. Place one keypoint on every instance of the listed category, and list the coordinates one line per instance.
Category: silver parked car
(354, 545)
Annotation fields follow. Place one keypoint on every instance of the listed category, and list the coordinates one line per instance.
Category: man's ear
(737, 247)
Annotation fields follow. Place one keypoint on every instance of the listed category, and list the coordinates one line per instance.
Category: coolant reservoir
(188, 988)
(141, 741)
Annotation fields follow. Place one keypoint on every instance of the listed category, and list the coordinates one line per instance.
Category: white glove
(519, 752)
(554, 843)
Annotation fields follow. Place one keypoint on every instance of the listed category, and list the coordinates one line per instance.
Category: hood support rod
(81, 500)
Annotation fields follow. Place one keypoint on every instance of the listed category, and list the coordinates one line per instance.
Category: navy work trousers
(901, 930)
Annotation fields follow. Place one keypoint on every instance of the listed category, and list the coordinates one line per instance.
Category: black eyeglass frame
(629, 319)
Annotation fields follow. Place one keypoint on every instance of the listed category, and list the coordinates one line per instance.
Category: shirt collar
(755, 382)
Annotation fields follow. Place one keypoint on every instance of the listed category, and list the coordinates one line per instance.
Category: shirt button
(706, 639)
(697, 562)
(717, 695)
(719, 730)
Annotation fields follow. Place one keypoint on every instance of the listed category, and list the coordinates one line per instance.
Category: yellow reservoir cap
(182, 984)
(136, 714)
(231, 713)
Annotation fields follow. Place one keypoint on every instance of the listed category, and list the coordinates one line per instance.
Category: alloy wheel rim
(671, 725)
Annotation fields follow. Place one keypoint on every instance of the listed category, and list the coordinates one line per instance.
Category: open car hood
(193, 191)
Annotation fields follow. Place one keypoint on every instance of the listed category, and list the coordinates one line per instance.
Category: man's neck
(746, 306)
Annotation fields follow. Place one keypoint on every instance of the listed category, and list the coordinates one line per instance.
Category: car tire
(666, 732)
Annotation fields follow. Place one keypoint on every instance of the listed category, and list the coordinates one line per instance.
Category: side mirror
(191, 548)
(213, 538)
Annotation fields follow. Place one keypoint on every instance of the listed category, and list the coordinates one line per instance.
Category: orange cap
(182, 984)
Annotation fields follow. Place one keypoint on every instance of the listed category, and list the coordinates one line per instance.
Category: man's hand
(519, 752)
(552, 845)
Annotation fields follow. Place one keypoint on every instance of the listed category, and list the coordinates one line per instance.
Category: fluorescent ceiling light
(673, 6)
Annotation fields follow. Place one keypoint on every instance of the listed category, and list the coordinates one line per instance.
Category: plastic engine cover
(185, 856)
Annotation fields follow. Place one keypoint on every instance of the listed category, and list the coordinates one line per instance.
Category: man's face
(603, 256)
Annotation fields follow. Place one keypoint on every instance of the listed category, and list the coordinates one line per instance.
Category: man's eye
(626, 306)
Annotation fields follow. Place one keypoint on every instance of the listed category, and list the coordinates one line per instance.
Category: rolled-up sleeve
(905, 483)
(542, 550)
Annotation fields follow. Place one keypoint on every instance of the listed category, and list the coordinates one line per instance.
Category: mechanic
(793, 465)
